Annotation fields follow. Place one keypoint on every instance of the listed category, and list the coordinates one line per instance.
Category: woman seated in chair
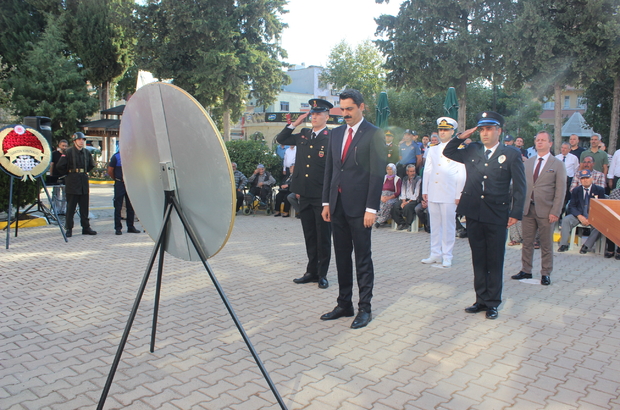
(261, 182)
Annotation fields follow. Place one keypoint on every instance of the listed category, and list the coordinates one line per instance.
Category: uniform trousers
(443, 220)
(317, 234)
(530, 224)
(120, 193)
(350, 233)
(72, 202)
(488, 245)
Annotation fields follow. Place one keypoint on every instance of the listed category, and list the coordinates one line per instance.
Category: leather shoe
(323, 283)
(337, 313)
(361, 320)
(118, 232)
(475, 308)
(492, 313)
(618, 256)
(68, 233)
(583, 250)
(307, 278)
(88, 232)
(545, 280)
(132, 229)
(609, 255)
(522, 275)
(563, 248)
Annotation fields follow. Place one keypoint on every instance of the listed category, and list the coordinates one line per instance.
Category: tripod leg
(232, 313)
(134, 309)
(160, 267)
(62, 231)
(8, 223)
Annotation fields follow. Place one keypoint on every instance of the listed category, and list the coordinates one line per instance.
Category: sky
(316, 26)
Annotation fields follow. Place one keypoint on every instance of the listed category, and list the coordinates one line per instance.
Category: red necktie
(347, 144)
(537, 170)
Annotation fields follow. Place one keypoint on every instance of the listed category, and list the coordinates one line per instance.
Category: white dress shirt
(570, 162)
(614, 166)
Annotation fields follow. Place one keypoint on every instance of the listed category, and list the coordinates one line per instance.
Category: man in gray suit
(546, 187)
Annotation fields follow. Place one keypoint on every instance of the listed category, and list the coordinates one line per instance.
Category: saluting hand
(300, 119)
(467, 133)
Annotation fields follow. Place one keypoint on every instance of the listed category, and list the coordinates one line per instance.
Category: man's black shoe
(307, 278)
(88, 231)
(618, 256)
(475, 308)
(323, 283)
(68, 233)
(522, 275)
(492, 313)
(119, 232)
(563, 248)
(401, 227)
(583, 250)
(361, 320)
(132, 229)
(337, 313)
(545, 280)
(609, 255)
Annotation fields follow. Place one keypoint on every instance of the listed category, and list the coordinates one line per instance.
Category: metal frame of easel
(40, 207)
(171, 203)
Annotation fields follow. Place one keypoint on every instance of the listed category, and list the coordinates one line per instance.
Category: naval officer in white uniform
(442, 185)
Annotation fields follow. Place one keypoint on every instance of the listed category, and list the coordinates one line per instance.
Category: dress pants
(239, 200)
(569, 222)
(59, 199)
(443, 234)
(72, 202)
(120, 194)
(350, 233)
(317, 234)
(488, 245)
(530, 224)
(404, 216)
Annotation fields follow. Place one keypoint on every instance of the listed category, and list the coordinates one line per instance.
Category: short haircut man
(546, 189)
(354, 173)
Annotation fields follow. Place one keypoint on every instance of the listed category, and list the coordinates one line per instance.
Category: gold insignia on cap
(314, 103)
(484, 115)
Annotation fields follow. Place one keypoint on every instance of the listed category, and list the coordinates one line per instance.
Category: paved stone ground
(63, 308)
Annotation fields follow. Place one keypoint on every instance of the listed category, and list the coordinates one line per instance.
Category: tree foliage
(50, 84)
(248, 154)
(436, 44)
(22, 25)
(360, 68)
(599, 98)
(24, 192)
(220, 51)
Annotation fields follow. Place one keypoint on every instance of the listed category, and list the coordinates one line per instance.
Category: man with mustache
(354, 173)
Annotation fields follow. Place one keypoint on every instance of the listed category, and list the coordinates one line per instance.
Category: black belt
(77, 170)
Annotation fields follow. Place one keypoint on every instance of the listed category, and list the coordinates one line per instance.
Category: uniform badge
(501, 159)
(321, 154)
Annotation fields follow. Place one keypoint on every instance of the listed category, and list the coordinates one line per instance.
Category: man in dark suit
(546, 189)
(307, 182)
(354, 174)
(578, 209)
(489, 204)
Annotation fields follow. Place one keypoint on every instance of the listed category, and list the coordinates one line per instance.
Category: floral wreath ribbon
(26, 154)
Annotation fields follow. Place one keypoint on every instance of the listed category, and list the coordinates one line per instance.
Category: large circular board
(164, 124)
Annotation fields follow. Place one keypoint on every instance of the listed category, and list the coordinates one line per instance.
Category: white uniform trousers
(443, 229)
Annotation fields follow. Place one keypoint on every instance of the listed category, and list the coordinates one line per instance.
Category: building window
(581, 102)
(284, 106)
(549, 105)
(566, 102)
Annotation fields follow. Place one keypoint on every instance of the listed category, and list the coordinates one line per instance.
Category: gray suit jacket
(549, 189)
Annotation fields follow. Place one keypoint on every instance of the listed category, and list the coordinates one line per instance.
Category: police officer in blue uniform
(307, 182)
(115, 170)
(489, 204)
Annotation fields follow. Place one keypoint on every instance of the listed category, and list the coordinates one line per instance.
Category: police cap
(487, 118)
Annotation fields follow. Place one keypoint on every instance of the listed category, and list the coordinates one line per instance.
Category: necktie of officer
(586, 202)
(487, 153)
(313, 135)
(537, 170)
(347, 144)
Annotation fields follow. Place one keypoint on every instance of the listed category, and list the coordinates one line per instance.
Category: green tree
(361, 69)
(599, 97)
(22, 25)
(248, 154)
(436, 44)
(49, 83)
(553, 44)
(101, 37)
(220, 51)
